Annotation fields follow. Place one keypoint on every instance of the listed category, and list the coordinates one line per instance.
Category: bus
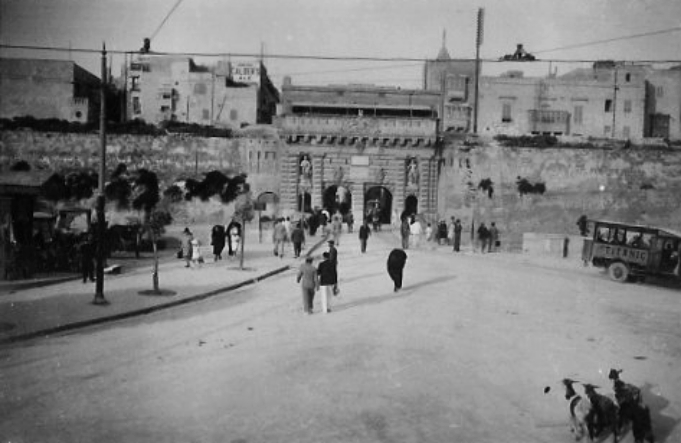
(631, 252)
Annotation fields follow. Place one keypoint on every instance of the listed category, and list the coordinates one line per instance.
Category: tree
(244, 209)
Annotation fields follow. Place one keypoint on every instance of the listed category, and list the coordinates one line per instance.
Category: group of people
(220, 237)
(488, 238)
(283, 232)
(324, 277)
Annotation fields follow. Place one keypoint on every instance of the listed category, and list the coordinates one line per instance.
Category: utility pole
(478, 43)
(101, 223)
(614, 103)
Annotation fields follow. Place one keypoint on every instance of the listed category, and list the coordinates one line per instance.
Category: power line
(598, 42)
(166, 19)
(316, 57)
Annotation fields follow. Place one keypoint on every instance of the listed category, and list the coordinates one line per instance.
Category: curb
(138, 312)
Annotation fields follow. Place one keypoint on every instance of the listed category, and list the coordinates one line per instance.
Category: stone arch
(383, 197)
(270, 200)
(337, 198)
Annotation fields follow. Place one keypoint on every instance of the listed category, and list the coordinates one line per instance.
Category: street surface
(462, 354)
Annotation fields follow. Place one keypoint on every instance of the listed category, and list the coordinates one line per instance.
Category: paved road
(462, 354)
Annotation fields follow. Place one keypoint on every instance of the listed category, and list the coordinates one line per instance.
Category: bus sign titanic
(625, 253)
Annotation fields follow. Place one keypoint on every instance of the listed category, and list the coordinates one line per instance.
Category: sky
(389, 29)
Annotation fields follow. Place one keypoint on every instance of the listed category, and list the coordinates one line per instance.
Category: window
(165, 109)
(233, 115)
(206, 114)
(200, 89)
(134, 83)
(506, 113)
(136, 105)
(608, 105)
(659, 91)
(626, 132)
(607, 130)
(627, 77)
(627, 106)
(579, 115)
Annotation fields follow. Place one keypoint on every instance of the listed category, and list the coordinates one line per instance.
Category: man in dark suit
(327, 281)
(364, 233)
(396, 261)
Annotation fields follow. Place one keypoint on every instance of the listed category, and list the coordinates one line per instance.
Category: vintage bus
(633, 252)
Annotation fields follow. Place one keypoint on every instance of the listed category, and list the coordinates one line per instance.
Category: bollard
(566, 244)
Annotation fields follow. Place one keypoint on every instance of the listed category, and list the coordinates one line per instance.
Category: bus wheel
(618, 271)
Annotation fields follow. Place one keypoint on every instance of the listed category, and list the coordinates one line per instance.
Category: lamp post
(478, 42)
(101, 224)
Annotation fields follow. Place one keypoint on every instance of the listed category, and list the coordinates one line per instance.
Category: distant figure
(233, 229)
(217, 240)
(457, 235)
(493, 238)
(333, 258)
(309, 283)
(298, 239)
(279, 238)
(197, 258)
(327, 281)
(416, 231)
(582, 223)
(405, 231)
(396, 261)
(483, 237)
(429, 232)
(364, 233)
(187, 238)
(350, 220)
(87, 258)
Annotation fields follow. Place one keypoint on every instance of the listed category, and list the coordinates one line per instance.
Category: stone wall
(636, 186)
(172, 157)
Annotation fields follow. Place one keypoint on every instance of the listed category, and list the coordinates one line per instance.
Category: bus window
(603, 234)
(640, 240)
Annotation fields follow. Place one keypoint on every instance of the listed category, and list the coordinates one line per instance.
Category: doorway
(378, 198)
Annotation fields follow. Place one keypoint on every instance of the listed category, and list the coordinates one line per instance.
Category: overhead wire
(165, 19)
(609, 40)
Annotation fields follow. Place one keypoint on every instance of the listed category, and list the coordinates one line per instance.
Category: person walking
(429, 232)
(483, 236)
(87, 258)
(217, 240)
(493, 238)
(415, 230)
(187, 247)
(333, 258)
(396, 261)
(405, 231)
(350, 220)
(279, 238)
(298, 239)
(309, 283)
(327, 281)
(233, 232)
(197, 257)
(364, 233)
(457, 235)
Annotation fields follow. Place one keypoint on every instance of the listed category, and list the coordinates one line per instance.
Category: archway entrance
(337, 198)
(381, 198)
(270, 203)
(305, 202)
(411, 205)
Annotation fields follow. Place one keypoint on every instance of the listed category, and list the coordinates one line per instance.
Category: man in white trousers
(327, 281)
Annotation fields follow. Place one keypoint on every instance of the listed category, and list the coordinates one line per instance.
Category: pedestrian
(405, 231)
(350, 220)
(233, 232)
(187, 238)
(333, 258)
(364, 233)
(450, 232)
(197, 258)
(337, 227)
(87, 258)
(309, 283)
(217, 240)
(298, 239)
(442, 233)
(279, 238)
(483, 236)
(415, 231)
(429, 232)
(396, 261)
(493, 238)
(327, 281)
(457, 228)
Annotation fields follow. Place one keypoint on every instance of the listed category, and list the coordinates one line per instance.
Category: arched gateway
(378, 197)
(337, 198)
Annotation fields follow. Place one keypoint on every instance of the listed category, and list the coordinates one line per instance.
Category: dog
(604, 414)
(632, 409)
(580, 410)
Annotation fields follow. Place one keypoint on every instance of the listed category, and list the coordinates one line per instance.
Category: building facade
(606, 101)
(454, 79)
(359, 148)
(44, 89)
(165, 88)
(663, 111)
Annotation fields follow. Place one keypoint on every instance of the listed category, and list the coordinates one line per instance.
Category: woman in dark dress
(217, 239)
